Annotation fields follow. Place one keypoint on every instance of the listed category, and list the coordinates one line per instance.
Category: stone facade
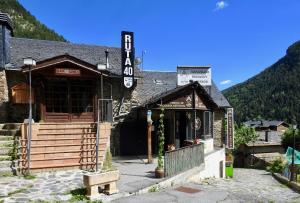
(3, 96)
(218, 128)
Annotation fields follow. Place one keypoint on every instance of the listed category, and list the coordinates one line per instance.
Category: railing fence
(182, 159)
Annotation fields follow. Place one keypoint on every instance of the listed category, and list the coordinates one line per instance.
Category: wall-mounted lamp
(149, 114)
(29, 61)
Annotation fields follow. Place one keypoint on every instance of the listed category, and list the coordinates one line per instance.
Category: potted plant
(159, 171)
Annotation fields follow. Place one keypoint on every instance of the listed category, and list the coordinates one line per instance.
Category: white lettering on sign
(65, 71)
(230, 129)
(127, 59)
(199, 74)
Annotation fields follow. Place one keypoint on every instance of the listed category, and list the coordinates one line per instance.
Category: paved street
(248, 185)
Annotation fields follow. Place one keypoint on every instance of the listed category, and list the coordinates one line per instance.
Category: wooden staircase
(64, 145)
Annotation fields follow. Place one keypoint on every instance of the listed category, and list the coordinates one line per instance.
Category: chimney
(266, 136)
(6, 31)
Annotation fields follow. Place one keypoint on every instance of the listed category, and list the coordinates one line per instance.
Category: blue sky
(237, 38)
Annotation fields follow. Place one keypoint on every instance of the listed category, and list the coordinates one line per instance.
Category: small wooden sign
(230, 128)
(67, 72)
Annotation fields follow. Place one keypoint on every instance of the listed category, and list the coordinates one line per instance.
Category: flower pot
(159, 173)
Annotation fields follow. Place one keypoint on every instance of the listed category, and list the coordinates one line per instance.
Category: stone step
(6, 138)
(10, 126)
(7, 171)
(5, 158)
(6, 143)
(8, 164)
(4, 150)
(6, 132)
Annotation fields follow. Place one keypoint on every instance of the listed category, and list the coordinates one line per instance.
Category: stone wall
(123, 101)
(3, 96)
(218, 128)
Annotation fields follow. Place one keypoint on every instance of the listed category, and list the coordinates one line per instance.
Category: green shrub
(276, 166)
(29, 176)
(78, 195)
(288, 138)
(154, 189)
(107, 165)
(243, 135)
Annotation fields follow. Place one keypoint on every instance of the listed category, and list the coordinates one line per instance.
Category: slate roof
(156, 83)
(44, 49)
(263, 123)
(153, 83)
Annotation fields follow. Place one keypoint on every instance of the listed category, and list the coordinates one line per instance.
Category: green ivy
(13, 152)
(161, 139)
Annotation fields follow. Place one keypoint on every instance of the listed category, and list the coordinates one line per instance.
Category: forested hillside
(273, 93)
(26, 25)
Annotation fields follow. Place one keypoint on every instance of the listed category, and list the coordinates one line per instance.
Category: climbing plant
(161, 139)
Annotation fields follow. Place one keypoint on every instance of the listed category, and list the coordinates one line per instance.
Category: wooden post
(149, 143)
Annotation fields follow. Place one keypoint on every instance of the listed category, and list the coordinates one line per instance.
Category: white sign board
(199, 74)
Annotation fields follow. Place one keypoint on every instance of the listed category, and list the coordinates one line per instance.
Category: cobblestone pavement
(248, 185)
(56, 186)
(49, 186)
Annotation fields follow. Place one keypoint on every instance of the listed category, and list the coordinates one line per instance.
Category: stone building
(67, 82)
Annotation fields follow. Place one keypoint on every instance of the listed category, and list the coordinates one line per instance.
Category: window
(207, 123)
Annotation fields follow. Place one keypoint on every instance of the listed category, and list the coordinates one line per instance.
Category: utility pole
(292, 177)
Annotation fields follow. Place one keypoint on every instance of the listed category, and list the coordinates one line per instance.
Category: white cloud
(221, 5)
(225, 82)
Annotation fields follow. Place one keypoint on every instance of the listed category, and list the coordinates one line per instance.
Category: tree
(244, 135)
(288, 138)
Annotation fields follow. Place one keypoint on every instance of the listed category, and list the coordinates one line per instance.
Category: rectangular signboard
(127, 59)
(200, 74)
(67, 72)
(230, 129)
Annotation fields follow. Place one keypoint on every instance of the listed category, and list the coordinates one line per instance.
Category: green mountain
(272, 94)
(26, 25)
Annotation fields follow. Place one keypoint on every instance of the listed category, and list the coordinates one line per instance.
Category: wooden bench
(106, 180)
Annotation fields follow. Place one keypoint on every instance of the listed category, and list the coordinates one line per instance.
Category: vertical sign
(230, 128)
(127, 59)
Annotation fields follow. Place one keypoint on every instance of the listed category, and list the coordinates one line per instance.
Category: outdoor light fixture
(149, 114)
(101, 66)
(294, 127)
(29, 62)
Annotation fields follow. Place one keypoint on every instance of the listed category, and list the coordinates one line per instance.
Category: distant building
(263, 125)
(267, 147)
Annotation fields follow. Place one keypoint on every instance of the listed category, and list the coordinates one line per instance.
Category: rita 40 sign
(128, 59)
